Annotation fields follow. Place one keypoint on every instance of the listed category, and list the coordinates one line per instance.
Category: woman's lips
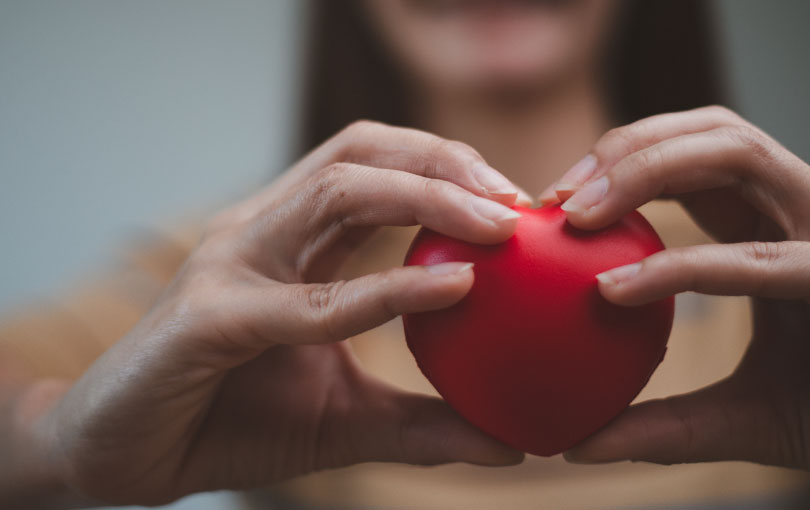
(473, 6)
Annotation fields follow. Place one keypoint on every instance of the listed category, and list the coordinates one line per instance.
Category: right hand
(237, 377)
(753, 196)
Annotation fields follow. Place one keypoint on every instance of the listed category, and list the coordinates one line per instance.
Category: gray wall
(115, 115)
(768, 49)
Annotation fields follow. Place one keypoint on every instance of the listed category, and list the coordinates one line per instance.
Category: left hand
(753, 195)
(238, 376)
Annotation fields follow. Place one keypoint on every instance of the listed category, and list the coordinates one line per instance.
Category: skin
(202, 384)
(517, 81)
(739, 184)
(753, 196)
(237, 377)
(477, 47)
(256, 289)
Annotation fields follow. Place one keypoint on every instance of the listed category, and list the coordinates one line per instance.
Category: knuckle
(759, 256)
(324, 302)
(344, 141)
(456, 149)
(437, 191)
(331, 189)
(638, 132)
(646, 159)
(334, 173)
(750, 140)
(361, 127)
(763, 254)
(387, 301)
(329, 182)
(619, 140)
(448, 156)
(723, 113)
(686, 266)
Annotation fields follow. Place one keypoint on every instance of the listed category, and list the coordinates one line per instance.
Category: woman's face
(492, 44)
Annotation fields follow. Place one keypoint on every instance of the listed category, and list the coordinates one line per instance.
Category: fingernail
(548, 197)
(524, 199)
(449, 268)
(491, 181)
(619, 274)
(544, 201)
(587, 197)
(578, 174)
(493, 211)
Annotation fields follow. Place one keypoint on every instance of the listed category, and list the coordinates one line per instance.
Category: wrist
(29, 477)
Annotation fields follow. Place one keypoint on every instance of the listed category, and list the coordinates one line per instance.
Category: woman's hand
(237, 377)
(753, 196)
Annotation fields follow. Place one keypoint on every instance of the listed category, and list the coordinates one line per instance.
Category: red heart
(534, 355)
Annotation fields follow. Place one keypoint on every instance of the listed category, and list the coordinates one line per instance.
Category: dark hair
(663, 57)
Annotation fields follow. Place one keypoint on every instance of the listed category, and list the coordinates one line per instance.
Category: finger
(324, 313)
(523, 198)
(418, 429)
(774, 270)
(410, 150)
(374, 144)
(712, 424)
(548, 196)
(622, 141)
(734, 157)
(344, 197)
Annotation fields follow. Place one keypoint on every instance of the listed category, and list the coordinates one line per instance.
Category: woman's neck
(532, 139)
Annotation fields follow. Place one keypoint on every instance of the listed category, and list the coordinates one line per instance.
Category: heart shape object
(534, 355)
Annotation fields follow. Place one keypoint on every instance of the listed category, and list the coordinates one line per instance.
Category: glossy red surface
(533, 355)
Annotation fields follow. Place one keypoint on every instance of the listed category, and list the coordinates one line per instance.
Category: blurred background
(118, 118)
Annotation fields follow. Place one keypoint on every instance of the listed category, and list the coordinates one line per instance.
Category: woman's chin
(503, 77)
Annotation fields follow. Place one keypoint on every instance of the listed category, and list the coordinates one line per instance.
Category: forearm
(28, 472)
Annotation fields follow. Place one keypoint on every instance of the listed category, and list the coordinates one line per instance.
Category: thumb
(710, 424)
(418, 429)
